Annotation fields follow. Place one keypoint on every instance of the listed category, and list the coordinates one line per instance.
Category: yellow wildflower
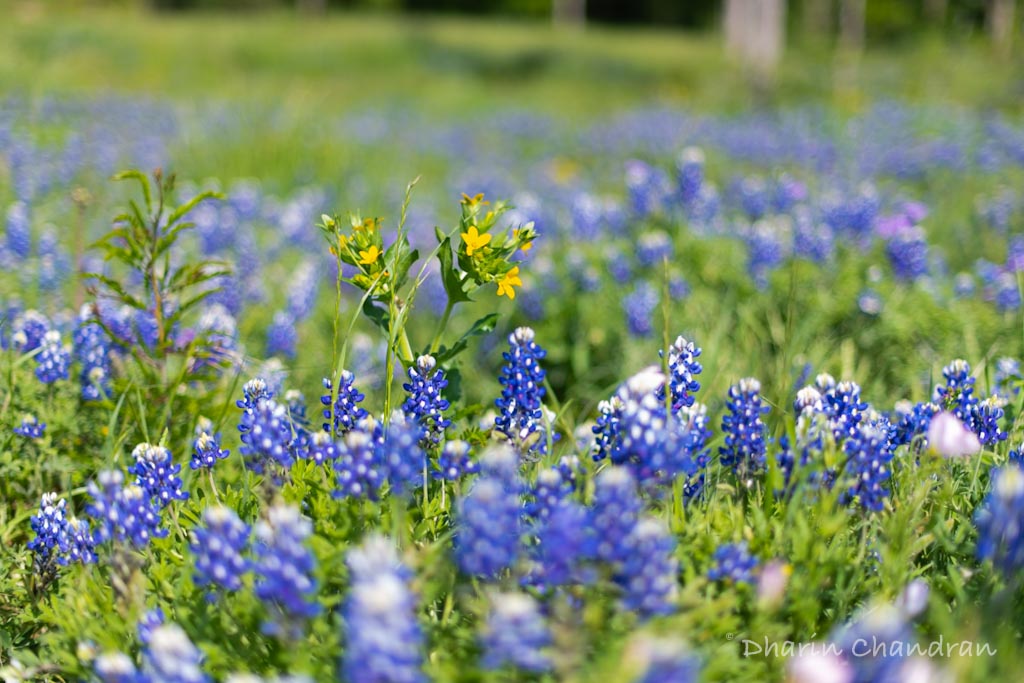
(475, 200)
(369, 256)
(506, 284)
(474, 240)
(526, 246)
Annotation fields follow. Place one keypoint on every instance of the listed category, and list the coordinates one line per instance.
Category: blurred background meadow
(801, 187)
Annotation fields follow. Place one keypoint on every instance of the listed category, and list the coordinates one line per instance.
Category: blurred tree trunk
(755, 33)
(818, 19)
(935, 10)
(851, 25)
(570, 12)
(1000, 24)
(312, 6)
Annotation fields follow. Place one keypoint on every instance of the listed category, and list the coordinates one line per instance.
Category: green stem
(405, 347)
(436, 344)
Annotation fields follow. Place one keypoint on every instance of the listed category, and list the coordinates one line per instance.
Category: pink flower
(950, 437)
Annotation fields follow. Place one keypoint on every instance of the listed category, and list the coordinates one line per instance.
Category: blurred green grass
(454, 65)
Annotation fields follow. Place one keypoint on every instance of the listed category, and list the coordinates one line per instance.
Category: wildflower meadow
(673, 390)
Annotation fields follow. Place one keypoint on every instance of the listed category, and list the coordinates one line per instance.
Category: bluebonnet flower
(266, 436)
(963, 285)
(53, 360)
(19, 230)
(123, 514)
(663, 660)
(116, 667)
(957, 395)
(80, 542)
(752, 193)
(1007, 293)
(424, 403)
(322, 448)
(360, 468)
(652, 248)
(30, 428)
(690, 174)
(683, 368)
(764, 251)
(157, 474)
(218, 330)
(733, 562)
(564, 544)
(170, 657)
(870, 302)
(618, 264)
(678, 288)
(861, 640)
(488, 529)
(50, 527)
(218, 547)
(1000, 520)
(454, 462)
(515, 634)
(30, 328)
(302, 292)
(346, 412)
(550, 489)
(403, 459)
(92, 350)
(655, 446)
(206, 452)
(606, 429)
(284, 570)
(908, 253)
(383, 641)
(985, 420)
(253, 392)
(913, 421)
(281, 336)
(648, 187)
(744, 449)
(522, 379)
(1008, 377)
(639, 306)
(648, 570)
(844, 408)
(615, 512)
(868, 455)
(694, 423)
(148, 622)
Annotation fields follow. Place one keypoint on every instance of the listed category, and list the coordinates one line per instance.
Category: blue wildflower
(984, 420)
(346, 412)
(868, 455)
(880, 641)
(30, 428)
(639, 306)
(91, 346)
(116, 667)
(683, 368)
(615, 512)
(1000, 520)
(1008, 378)
(908, 253)
(359, 469)
(218, 547)
(206, 452)
(550, 489)
(53, 360)
(454, 462)
(157, 474)
(383, 641)
(170, 657)
(665, 660)
(734, 563)
(281, 336)
(648, 572)
(744, 449)
(488, 530)
(30, 328)
(564, 544)
(284, 570)
(403, 459)
(50, 527)
(913, 421)
(520, 406)
(266, 436)
(690, 174)
(515, 634)
(148, 622)
(123, 514)
(957, 395)
(425, 404)
(606, 430)
(80, 542)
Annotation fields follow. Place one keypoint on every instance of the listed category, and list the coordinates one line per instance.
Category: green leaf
(449, 274)
(482, 326)
(377, 314)
(191, 204)
(135, 174)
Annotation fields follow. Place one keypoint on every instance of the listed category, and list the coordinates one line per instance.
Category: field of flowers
(659, 393)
